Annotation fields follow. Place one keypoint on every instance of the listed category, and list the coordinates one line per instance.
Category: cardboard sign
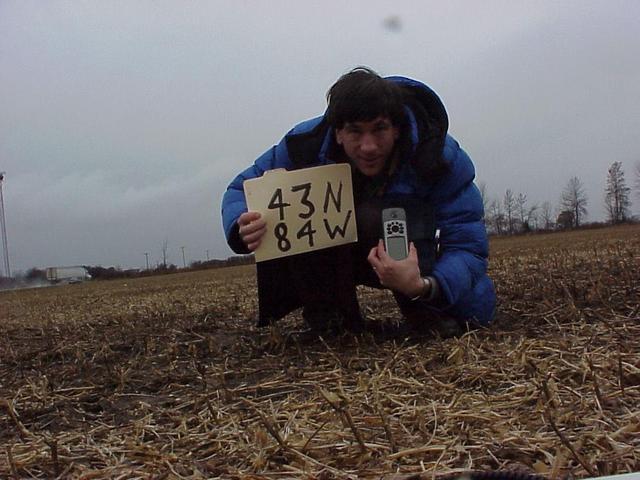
(305, 210)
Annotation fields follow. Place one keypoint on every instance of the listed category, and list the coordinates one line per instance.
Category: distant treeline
(109, 273)
(36, 276)
(513, 214)
(525, 229)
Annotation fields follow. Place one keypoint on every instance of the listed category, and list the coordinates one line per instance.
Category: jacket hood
(429, 127)
(424, 98)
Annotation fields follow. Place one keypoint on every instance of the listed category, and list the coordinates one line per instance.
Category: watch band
(427, 286)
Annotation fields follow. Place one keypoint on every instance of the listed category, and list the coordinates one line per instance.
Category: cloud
(98, 219)
(122, 123)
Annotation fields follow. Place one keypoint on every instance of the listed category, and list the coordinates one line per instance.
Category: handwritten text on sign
(305, 209)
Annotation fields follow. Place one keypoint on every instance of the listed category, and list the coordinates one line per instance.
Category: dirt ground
(168, 377)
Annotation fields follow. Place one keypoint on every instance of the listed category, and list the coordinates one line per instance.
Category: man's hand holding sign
(298, 211)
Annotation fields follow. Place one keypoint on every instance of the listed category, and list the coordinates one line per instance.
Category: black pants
(327, 279)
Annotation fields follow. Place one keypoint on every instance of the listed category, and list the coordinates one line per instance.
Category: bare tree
(616, 196)
(485, 197)
(521, 204)
(574, 199)
(527, 216)
(495, 217)
(532, 217)
(165, 248)
(509, 204)
(546, 215)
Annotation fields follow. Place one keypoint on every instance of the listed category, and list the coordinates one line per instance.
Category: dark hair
(363, 95)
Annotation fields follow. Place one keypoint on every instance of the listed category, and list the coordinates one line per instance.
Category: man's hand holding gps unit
(394, 226)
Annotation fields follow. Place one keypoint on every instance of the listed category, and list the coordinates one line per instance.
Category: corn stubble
(167, 377)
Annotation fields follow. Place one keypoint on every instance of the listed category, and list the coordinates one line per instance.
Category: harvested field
(167, 377)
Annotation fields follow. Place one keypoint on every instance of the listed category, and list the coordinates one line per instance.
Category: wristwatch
(427, 288)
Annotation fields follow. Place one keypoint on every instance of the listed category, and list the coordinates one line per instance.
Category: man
(393, 133)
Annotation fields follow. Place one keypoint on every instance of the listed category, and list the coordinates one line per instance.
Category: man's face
(368, 144)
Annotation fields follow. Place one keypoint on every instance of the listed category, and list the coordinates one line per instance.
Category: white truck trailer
(75, 274)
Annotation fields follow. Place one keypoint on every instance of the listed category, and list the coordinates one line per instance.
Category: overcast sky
(121, 123)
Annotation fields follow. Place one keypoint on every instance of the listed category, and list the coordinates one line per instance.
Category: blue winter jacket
(461, 268)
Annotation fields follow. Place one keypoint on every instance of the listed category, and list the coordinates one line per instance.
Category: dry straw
(167, 377)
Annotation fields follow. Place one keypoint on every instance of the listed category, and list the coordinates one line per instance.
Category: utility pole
(207, 255)
(184, 261)
(3, 226)
(146, 257)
